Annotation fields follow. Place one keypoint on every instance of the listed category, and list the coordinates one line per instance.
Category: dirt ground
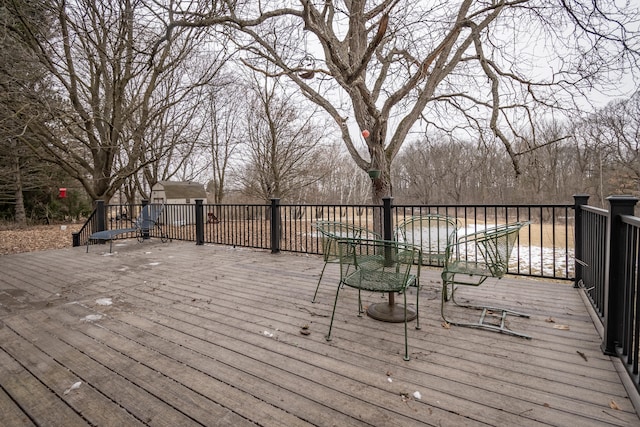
(36, 238)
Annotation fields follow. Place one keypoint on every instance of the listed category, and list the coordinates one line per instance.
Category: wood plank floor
(211, 335)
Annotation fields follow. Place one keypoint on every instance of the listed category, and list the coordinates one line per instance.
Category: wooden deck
(211, 335)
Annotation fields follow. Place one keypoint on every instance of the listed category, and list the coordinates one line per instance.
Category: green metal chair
(471, 260)
(432, 233)
(330, 232)
(378, 266)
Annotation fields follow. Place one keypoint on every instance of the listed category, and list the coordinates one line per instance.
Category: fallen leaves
(37, 238)
(614, 405)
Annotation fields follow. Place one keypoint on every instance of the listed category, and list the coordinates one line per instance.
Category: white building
(179, 198)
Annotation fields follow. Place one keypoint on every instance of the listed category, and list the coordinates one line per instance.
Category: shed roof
(181, 189)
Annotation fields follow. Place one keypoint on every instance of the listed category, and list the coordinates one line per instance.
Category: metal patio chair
(330, 232)
(432, 233)
(148, 219)
(471, 260)
(378, 266)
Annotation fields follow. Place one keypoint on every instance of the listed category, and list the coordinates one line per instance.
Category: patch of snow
(91, 318)
(104, 301)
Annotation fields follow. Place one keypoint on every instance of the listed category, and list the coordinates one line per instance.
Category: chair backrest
(491, 246)
(432, 233)
(149, 216)
(331, 231)
(380, 265)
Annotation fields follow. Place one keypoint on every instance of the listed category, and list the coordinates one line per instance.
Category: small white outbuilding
(181, 194)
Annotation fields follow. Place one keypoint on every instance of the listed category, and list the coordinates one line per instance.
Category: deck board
(210, 335)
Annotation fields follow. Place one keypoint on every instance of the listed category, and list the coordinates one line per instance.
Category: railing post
(145, 221)
(199, 222)
(579, 201)
(101, 216)
(614, 285)
(275, 226)
(387, 225)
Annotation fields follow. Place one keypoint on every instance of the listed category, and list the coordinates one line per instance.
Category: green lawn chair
(330, 232)
(473, 258)
(432, 233)
(378, 266)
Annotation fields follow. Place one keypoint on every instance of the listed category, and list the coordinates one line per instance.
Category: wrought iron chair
(432, 233)
(378, 266)
(471, 260)
(330, 232)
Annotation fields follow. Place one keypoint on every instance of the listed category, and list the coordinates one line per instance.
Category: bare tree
(282, 143)
(21, 80)
(461, 66)
(612, 136)
(223, 130)
(112, 94)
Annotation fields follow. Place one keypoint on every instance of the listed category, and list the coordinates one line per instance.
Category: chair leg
(318, 285)
(446, 278)
(333, 313)
(164, 237)
(417, 303)
(480, 324)
(406, 339)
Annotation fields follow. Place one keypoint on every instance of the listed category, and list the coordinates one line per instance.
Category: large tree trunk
(20, 214)
(381, 185)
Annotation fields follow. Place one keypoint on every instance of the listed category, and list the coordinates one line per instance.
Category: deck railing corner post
(145, 220)
(614, 268)
(199, 222)
(275, 226)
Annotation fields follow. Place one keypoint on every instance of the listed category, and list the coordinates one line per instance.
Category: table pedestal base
(393, 313)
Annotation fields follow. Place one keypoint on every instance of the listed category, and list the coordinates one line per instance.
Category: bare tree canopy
(283, 143)
(485, 68)
(110, 96)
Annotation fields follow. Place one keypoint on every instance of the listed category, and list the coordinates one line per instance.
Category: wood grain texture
(211, 335)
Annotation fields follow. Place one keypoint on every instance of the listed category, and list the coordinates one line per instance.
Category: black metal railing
(544, 249)
(607, 258)
(599, 249)
(628, 344)
(591, 263)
